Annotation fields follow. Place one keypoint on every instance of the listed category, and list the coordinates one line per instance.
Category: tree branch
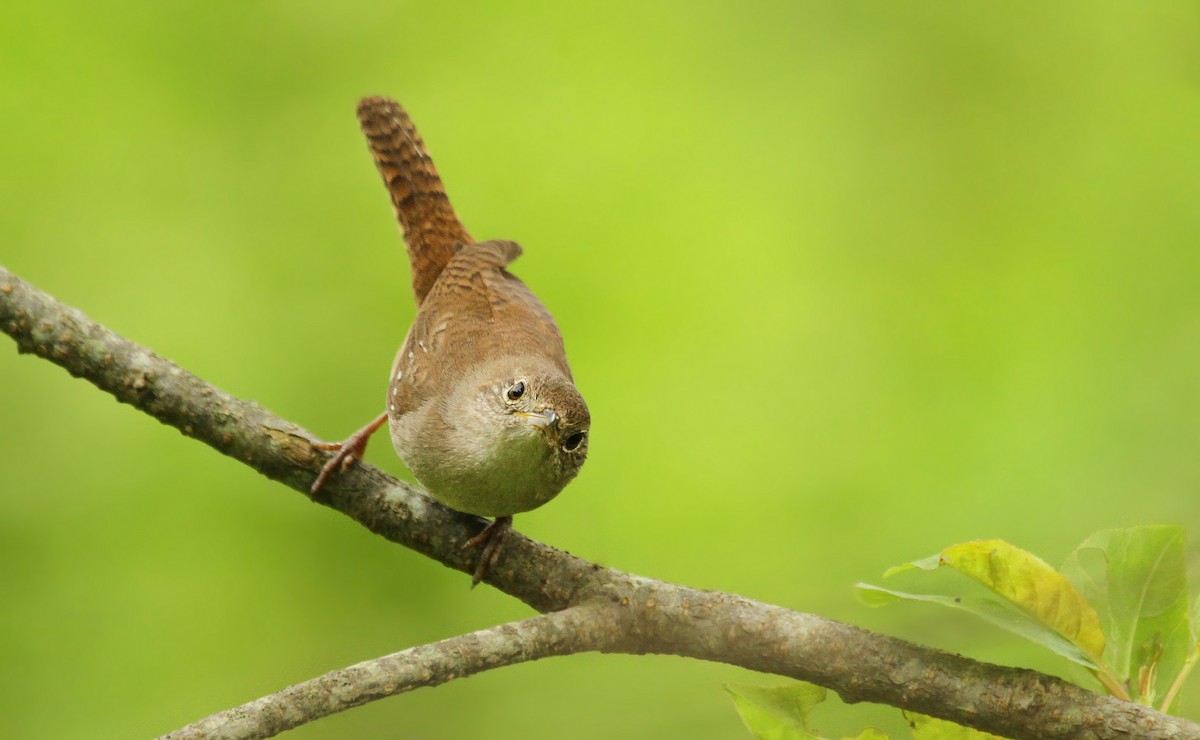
(653, 616)
(575, 630)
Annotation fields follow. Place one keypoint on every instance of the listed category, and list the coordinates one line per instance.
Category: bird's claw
(347, 452)
(492, 539)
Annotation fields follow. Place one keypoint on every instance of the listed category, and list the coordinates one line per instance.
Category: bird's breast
(486, 476)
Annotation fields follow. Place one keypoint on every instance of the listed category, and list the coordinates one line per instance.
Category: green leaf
(1000, 613)
(932, 728)
(1028, 583)
(777, 712)
(933, 562)
(1137, 578)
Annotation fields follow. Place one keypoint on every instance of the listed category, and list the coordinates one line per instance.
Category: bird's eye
(515, 392)
(571, 443)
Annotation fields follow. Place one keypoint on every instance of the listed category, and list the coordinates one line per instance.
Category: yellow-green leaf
(1027, 581)
(932, 728)
(777, 712)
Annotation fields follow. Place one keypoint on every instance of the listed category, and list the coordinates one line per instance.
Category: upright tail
(432, 231)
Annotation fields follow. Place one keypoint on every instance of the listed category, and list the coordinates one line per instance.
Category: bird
(481, 403)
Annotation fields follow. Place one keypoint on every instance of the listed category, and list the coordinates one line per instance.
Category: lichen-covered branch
(654, 617)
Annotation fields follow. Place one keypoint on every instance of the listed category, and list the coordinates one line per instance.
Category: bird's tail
(432, 230)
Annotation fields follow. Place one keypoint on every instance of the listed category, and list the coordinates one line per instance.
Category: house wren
(480, 404)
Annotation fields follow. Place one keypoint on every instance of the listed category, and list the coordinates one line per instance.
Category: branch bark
(610, 610)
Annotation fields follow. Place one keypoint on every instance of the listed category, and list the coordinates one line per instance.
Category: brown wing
(432, 230)
(518, 323)
(477, 311)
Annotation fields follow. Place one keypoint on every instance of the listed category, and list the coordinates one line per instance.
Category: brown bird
(481, 404)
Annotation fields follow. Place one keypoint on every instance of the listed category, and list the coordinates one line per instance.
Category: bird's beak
(542, 420)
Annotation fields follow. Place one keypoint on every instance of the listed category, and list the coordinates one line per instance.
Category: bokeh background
(843, 283)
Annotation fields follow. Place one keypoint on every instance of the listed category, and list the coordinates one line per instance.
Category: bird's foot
(492, 539)
(348, 452)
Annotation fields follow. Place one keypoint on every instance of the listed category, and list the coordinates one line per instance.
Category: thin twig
(1180, 677)
(574, 630)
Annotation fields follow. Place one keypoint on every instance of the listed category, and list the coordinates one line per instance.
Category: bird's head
(519, 435)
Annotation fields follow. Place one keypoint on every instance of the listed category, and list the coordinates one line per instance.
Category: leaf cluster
(1118, 606)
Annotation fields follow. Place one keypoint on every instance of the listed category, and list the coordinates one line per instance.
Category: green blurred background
(843, 283)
